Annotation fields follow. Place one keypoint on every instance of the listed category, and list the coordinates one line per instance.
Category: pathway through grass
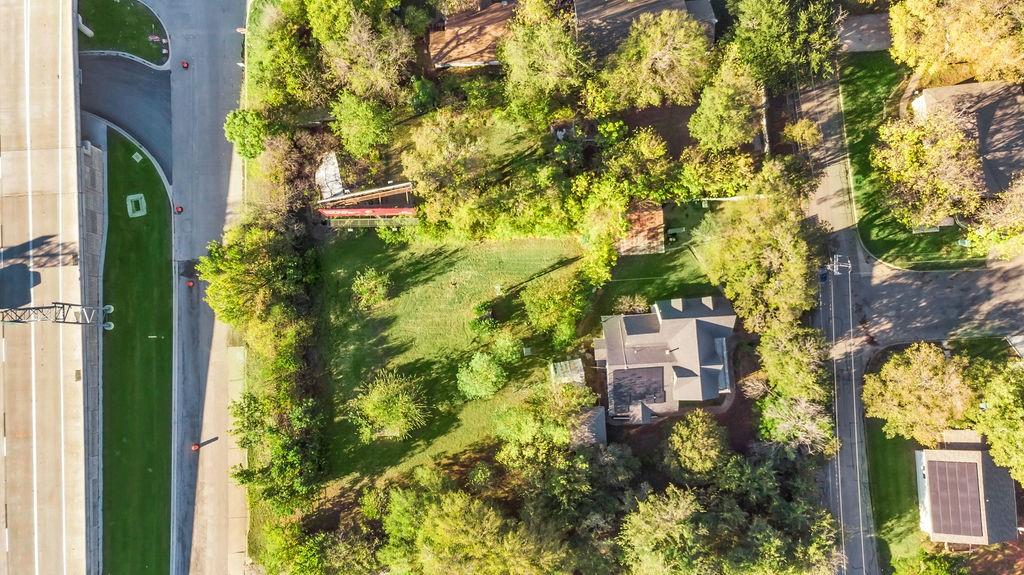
(872, 84)
(122, 25)
(136, 368)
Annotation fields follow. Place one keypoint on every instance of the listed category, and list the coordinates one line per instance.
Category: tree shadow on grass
(443, 401)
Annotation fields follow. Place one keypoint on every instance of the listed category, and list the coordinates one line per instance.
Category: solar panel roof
(955, 498)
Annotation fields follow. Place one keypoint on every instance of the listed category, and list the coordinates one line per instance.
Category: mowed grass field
(675, 273)
(872, 84)
(137, 281)
(122, 25)
(423, 330)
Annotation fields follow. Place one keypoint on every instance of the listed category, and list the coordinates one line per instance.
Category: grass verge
(136, 368)
(423, 331)
(871, 85)
(893, 494)
(122, 25)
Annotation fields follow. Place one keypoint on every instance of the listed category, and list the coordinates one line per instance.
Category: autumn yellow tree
(985, 35)
(919, 393)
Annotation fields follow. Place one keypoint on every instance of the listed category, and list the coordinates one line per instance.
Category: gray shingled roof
(993, 114)
(675, 353)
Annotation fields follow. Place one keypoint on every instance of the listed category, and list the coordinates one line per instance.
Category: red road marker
(178, 209)
(190, 283)
(196, 446)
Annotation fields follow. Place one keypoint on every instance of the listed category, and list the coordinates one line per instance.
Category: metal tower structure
(59, 312)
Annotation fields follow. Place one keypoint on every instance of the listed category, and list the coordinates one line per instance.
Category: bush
(390, 407)
(424, 94)
(481, 377)
(631, 303)
(554, 306)
(360, 124)
(506, 349)
(247, 130)
(416, 20)
(370, 288)
(803, 132)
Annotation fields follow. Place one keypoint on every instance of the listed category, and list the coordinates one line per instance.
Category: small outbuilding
(963, 496)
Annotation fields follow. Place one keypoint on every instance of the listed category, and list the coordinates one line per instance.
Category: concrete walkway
(865, 33)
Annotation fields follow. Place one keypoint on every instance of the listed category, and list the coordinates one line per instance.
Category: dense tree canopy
(919, 393)
(755, 249)
(1002, 419)
(931, 168)
(541, 58)
(729, 109)
(247, 130)
(933, 36)
(360, 124)
(782, 40)
(664, 60)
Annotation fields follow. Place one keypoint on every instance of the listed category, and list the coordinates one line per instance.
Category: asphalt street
(43, 466)
(178, 115)
(871, 305)
(133, 96)
(209, 517)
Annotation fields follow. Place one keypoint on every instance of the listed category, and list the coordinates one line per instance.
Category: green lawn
(893, 494)
(993, 348)
(872, 85)
(674, 273)
(137, 281)
(423, 330)
(122, 25)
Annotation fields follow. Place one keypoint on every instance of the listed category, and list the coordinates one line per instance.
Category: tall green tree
(247, 130)
(930, 167)
(1002, 419)
(755, 249)
(541, 58)
(664, 60)
(362, 125)
(919, 392)
(729, 111)
(933, 36)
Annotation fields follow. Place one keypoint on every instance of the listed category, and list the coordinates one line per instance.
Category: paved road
(210, 520)
(873, 305)
(42, 470)
(178, 115)
(133, 96)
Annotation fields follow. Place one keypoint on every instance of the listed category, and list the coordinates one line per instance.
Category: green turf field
(122, 25)
(137, 281)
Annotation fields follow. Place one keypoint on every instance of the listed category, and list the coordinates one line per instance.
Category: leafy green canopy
(541, 58)
(934, 36)
(729, 109)
(930, 167)
(919, 392)
(664, 60)
(247, 130)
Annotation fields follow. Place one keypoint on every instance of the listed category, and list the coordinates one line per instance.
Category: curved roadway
(133, 96)
(178, 116)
